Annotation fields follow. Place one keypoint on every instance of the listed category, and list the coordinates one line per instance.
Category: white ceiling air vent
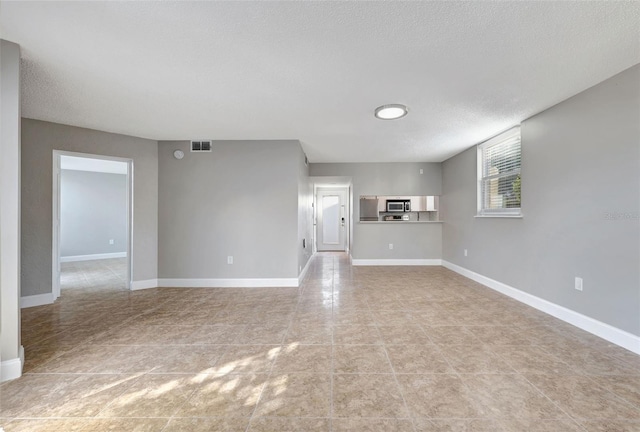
(201, 146)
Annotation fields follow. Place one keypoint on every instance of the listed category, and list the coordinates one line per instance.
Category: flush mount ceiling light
(391, 111)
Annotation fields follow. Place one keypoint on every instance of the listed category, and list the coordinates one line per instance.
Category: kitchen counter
(398, 222)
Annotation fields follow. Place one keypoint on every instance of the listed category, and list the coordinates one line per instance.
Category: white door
(331, 220)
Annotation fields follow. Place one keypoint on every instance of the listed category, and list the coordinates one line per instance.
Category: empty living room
(320, 216)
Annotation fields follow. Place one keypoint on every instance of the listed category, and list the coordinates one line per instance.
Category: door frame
(55, 219)
(343, 191)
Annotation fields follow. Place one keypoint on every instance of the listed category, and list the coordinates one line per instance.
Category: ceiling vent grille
(201, 146)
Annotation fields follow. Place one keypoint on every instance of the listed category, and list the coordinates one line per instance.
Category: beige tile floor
(91, 277)
(353, 349)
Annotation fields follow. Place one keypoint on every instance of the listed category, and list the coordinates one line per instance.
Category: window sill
(500, 216)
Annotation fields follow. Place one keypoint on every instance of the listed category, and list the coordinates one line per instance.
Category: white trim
(144, 284)
(598, 328)
(228, 283)
(36, 300)
(92, 257)
(91, 156)
(12, 369)
(303, 273)
(55, 229)
(396, 262)
(73, 163)
(130, 198)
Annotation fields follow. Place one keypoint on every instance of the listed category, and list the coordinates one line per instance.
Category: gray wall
(39, 139)
(241, 200)
(305, 212)
(93, 210)
(371, 241)
(580, 200)
(9, 202)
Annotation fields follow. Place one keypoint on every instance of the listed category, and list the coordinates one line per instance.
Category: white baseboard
(303, 273)
(228, 283)
(36, 300)
(144, 284)
(396, 262)
(12, 369)
(605, 331)
(93, 257)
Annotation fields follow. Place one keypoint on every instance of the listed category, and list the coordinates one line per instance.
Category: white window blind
(499, 180)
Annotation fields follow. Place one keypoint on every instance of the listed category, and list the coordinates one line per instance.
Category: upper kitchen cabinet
(432, 203)
(418, 203)
(424, 203)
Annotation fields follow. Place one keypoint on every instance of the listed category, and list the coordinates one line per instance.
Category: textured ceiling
(315, 71)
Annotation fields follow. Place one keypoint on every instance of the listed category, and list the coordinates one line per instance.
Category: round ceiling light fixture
(391, 111)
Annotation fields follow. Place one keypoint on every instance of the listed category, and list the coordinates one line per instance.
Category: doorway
(332, 219)
(92, 220)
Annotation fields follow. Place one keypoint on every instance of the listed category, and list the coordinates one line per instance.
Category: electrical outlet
(466, 253)
(579, 283)
(111, 241)
(421, 171)
(390, 245)
(230, 259)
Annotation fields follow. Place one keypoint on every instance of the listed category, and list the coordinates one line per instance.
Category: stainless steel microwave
(398, 206)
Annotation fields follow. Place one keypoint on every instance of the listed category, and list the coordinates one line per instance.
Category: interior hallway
(354, 348)
(82, 278)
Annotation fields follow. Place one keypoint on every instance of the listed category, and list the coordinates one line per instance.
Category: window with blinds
(499, 181)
